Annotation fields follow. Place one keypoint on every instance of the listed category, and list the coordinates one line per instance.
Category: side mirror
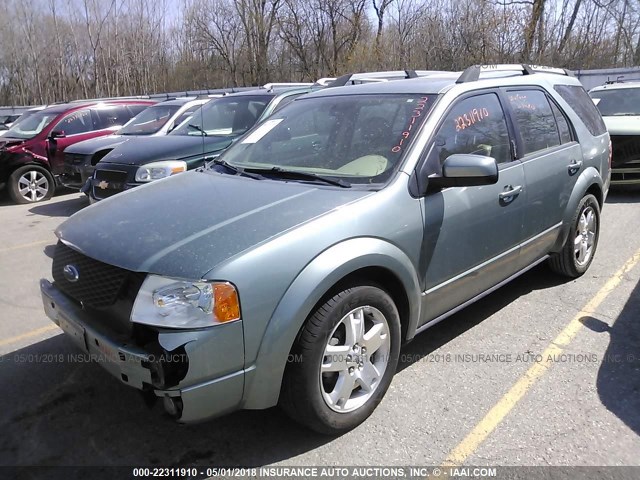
(466, 170)
(56, 134)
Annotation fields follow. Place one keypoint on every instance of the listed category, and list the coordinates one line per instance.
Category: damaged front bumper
(198, 373)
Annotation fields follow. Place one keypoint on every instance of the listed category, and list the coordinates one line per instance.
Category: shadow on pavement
(537, 279)
(60, 409)
(624, 195)
(65, 208)
(618, 381)
(5, 200)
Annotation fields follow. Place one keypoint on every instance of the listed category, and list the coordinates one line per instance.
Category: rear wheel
(343, 360)
(31, 184)
(578, 251)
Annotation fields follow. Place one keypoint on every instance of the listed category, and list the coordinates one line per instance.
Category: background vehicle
(291, 270)
(80, 159)
(32, 151)
(209, 131)
(9, 116)
(619, 104)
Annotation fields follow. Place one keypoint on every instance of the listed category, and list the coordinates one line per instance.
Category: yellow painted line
(501, 409)
(32, 333)
(25, 245)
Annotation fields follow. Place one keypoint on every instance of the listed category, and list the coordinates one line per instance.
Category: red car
(32, 151)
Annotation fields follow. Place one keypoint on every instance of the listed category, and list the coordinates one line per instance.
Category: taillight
(610, 152)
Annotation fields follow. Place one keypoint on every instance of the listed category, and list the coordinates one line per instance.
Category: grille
(99, 285)
(111, 175)
(625, 148)
(115, 180)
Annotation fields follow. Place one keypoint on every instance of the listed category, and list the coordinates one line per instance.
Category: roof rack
(472, 73)
(368, 77)
(271, 85)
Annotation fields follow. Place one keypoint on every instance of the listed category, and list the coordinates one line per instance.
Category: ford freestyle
(291, 269)
(32, 151)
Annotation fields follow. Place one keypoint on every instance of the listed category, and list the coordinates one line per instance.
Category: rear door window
(112, 116)
(535, 119)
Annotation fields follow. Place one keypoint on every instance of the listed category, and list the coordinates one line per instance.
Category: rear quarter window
(583, 106)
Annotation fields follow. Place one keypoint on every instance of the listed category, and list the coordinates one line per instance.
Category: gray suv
(291, 270)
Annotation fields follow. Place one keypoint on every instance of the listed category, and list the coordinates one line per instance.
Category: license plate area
(74, 331)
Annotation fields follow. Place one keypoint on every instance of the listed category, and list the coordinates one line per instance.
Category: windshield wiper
(294, 174)
(234, 169)
(196, 127)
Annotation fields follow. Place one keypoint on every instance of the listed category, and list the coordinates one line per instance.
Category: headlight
(172, 303)
(158, 170)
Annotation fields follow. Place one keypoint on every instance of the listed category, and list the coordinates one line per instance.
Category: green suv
(291, 269)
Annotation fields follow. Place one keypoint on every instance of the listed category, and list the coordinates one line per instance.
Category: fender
(10, 161)
(589, 177)
(263, 380)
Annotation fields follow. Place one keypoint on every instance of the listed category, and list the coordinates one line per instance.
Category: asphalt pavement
(477, 389)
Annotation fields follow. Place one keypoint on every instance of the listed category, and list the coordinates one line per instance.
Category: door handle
(510, 193)
(574, 166)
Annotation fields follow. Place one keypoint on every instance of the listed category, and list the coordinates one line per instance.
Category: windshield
(31, 125)
(620, 102)
(149, 121)
(227, 116)
(357, 138)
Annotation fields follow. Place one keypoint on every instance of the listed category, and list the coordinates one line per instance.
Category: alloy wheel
(355, 359)
(585, 236)
(33, 186)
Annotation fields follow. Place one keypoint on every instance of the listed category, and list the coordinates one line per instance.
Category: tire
(334, 392)
(31, 184)
(572, 261)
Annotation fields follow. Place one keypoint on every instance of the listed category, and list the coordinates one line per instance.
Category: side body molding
(262, 384)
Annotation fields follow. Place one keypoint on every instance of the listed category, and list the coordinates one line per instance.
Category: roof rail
(366, 77)
(325, 81)
(269, 86)
(472, 73)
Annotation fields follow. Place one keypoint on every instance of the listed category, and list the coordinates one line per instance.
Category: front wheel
(343, 360)
(579, 249)
(31, 184)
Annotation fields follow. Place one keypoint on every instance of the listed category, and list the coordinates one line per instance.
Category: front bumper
(213, 384)
(625, 168)
(626, 174)
(75, 176)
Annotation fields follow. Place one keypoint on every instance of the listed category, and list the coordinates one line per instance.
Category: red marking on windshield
(417, 113)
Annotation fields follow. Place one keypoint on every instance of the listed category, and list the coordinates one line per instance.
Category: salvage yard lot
(583, 410)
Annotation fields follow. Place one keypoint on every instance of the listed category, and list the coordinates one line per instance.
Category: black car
(205, 135)
(157, 120)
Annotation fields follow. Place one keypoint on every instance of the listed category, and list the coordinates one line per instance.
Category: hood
(7, 142)
(623, 124)
(93, 145)
(139, 151)
(185, 225)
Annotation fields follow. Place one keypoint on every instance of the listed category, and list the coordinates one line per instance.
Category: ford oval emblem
(71, 273)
